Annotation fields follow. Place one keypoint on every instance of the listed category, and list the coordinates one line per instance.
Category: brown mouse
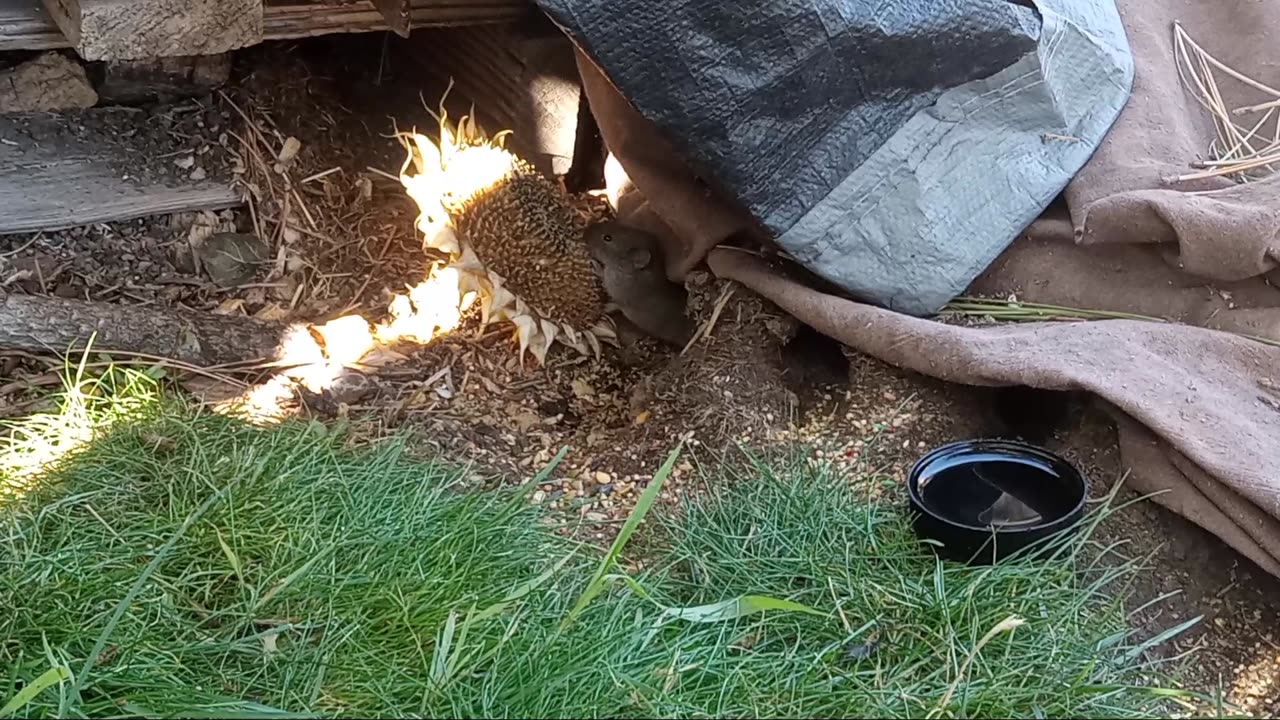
(629, 263)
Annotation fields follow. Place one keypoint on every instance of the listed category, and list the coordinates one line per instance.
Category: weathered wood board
(61, 171)
(138, 29)
(396, 13)
(290, 19)
(26, 25)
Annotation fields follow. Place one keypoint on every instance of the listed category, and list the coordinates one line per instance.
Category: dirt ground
(758, 381)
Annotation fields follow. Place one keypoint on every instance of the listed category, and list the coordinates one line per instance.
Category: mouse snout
(599, 232)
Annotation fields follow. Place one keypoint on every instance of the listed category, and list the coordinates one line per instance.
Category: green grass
(182, 564)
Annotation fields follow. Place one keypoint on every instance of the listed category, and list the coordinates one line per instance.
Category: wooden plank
(396, 13)
(61, 171)
(25, 25)
(139, 29)
(295, 20)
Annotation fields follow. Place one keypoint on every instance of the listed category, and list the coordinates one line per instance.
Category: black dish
(986, 499)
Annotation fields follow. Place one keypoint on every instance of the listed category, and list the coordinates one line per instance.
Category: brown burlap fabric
(1197, 409)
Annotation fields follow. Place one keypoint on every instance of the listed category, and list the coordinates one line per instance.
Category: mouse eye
(608, 238)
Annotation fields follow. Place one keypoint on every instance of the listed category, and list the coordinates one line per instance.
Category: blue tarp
(894, 148)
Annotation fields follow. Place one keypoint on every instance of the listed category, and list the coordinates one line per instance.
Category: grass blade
(231, 556)
(643, 505)
(1009, 624)
(138, 584)
(736, 608)
(527, 587)
(444, 642)
(47, 679)
(523, 492)
(1137, 650)
(231, 709)
(294, 576)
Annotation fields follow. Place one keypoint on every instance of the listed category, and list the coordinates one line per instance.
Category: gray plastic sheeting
(894, 148)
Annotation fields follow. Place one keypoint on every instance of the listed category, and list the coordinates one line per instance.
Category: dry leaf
(210, 390)
(231, 306)
(582, 389)
(272, 311)
(158, 442)
(382, 357)
(523, 418)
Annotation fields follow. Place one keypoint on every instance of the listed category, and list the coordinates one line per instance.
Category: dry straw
(1241, 151)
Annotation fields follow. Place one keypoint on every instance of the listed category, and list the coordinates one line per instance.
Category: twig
(1268, 105)
(253, 215)
(382, 173)
(1234, 148)
(705, 329)
(1228, 169)
(284, 221)
(1218, 64)
(321, 174)
(28, 244)
(310, 220)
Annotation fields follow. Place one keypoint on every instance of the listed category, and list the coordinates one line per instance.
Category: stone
(50, 82)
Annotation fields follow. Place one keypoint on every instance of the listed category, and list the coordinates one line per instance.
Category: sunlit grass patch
(180, 564)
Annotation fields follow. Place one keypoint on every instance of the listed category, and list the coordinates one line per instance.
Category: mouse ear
(639, 258)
